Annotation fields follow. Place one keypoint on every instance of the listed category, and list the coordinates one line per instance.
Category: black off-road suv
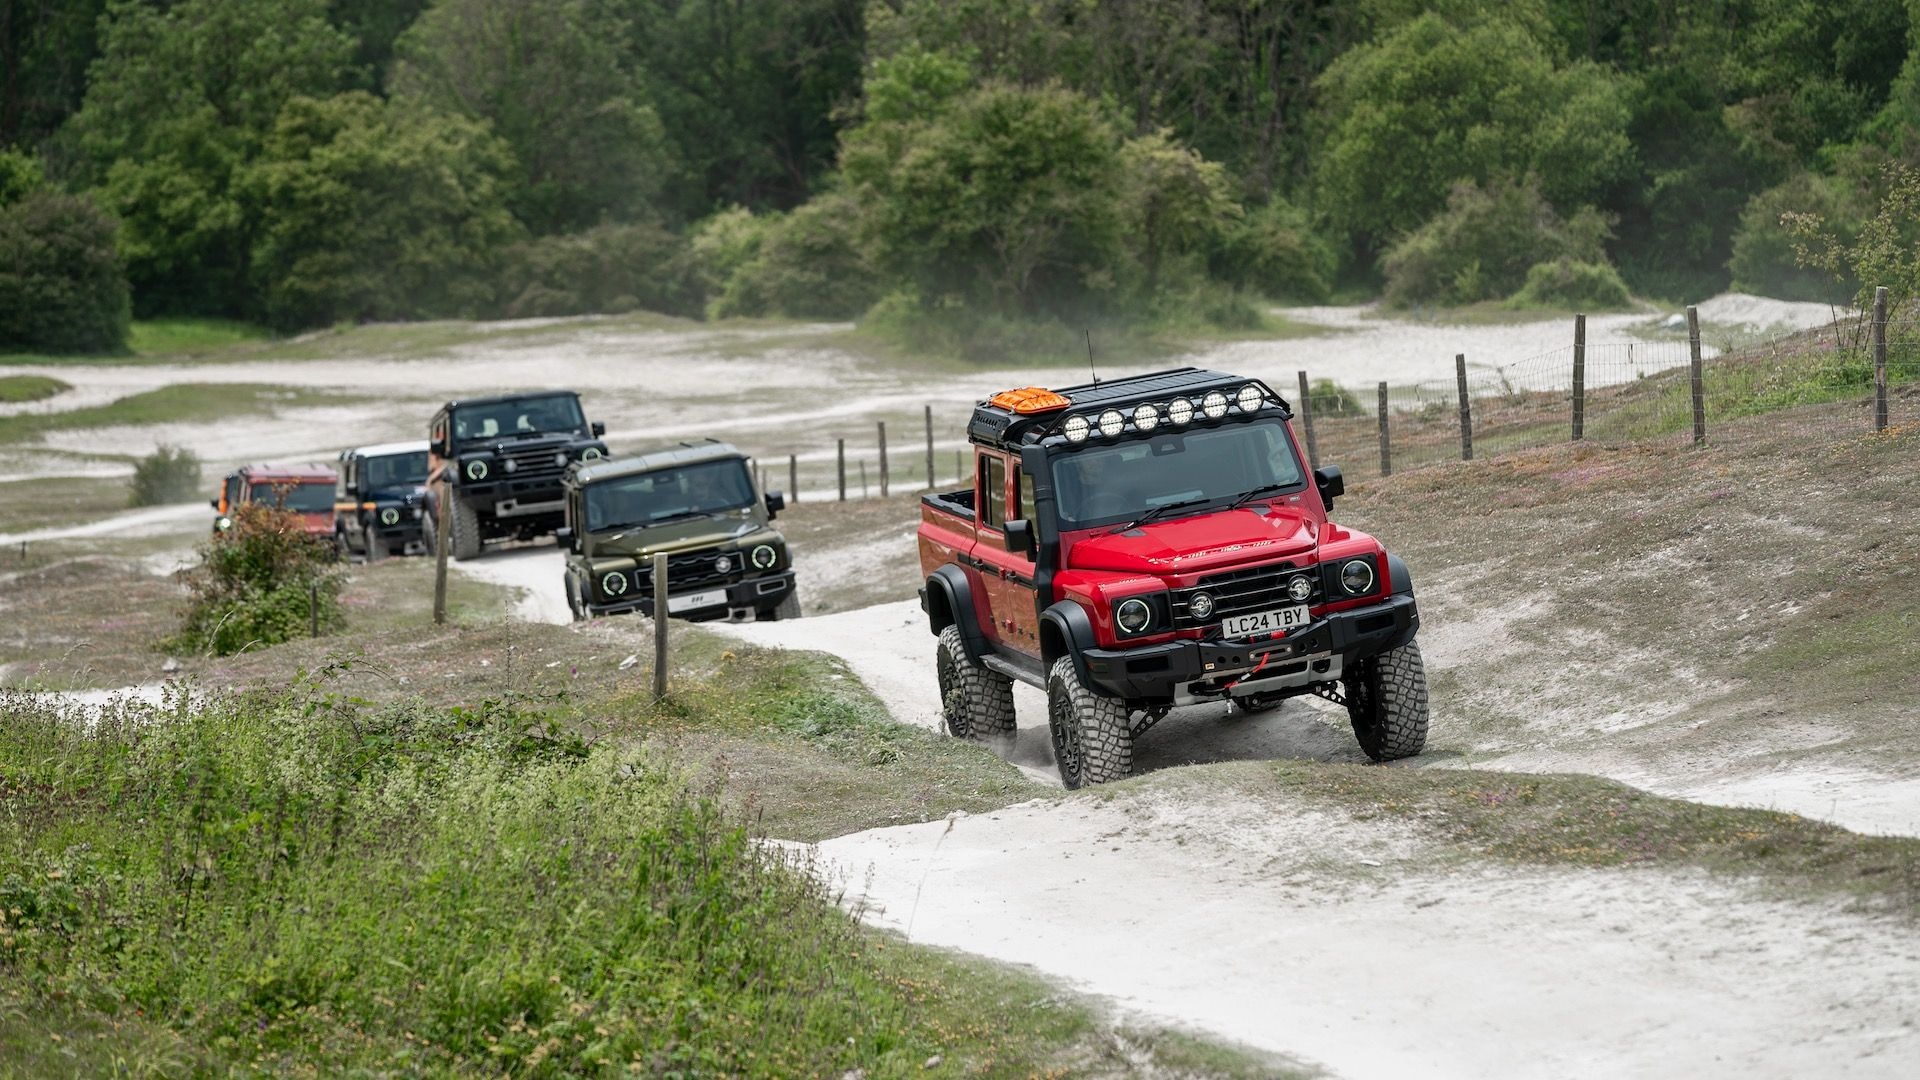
(505, 458)
(380, 500)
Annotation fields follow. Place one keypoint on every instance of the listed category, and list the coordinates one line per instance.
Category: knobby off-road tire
(1387, 702)
(579, 610)
(976, 703)
(787, 609)
(1092, 736)
(466, 530)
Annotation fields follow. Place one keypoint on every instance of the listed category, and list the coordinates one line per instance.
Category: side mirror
(776, 502)
(215, 503)
(1020, 538)
(565, 538)
(597, 428)
(1331, 484)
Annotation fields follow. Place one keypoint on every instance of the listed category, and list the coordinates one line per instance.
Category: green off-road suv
(696, 504)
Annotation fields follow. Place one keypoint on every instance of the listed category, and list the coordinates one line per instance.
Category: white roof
(390, 448)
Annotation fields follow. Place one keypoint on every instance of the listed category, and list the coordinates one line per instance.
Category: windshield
(518, 417)
(688, 491)
(1115, 483)
(304, 498)
(399, 470)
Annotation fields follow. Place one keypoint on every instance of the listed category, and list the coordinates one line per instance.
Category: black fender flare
(1065, 630)
(948, 600)
(1402, 578)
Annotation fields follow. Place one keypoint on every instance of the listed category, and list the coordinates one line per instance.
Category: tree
(1176, 200)
(62, 287)
(553, 82)
(176, 107)
(45, 47)
(1482, 246)
(1431, 103)
(376, 211)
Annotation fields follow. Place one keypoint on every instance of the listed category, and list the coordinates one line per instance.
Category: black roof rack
(495, 399)
(1001, 427)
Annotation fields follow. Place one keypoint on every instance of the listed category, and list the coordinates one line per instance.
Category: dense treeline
(962, 170)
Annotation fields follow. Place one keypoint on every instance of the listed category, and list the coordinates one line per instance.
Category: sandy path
(1268, 928)
(153, 521)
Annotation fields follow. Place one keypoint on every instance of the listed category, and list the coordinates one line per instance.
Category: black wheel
(786, 609)
(1092, 739)
(574, 605)
(1387, 702)
(977, 703)
(465, 541)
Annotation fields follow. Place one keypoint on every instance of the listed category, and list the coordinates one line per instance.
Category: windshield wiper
(1264, 489)
(1159, 512)
(681, 515)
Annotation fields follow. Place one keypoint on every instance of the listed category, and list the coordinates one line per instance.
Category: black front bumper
(1153, 672)
(754, 594)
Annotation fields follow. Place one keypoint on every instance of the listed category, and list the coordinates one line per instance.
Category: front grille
(531, 463)
(1243, 592)
(694, 570)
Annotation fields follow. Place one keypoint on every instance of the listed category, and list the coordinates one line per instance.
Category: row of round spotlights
(1178, 411)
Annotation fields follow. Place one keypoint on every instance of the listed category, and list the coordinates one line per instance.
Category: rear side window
(993, 497)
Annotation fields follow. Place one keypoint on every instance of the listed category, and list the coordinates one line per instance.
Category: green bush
(1328, 398)
(1273, 250)
(63, 288)
(1569, 284)
(257, 583)
(171, 474)
(604, 270)
(1764, 261)
(805, 264)
(1483, 245)
(20, 176)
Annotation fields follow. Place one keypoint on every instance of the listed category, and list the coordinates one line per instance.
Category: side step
(1032, 676)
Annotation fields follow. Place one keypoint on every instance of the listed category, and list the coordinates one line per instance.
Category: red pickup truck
(1138, 544)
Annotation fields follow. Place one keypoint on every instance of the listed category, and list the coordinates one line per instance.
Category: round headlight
(722, 565)
(764, 556)
(1300, 588)
(591, 453)
(1133, 615)
(1180, 410)
(1200, 605)
(560, 460)
(613, 584)
(390, 516)
(1214, 405)
(223, 523)
(476, 469)
(509, 466)
(1250, 398)
(1146, 418)
(1076, 429)
(1112, 423)
(1357, 577)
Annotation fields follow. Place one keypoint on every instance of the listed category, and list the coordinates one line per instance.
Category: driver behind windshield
(685, 492)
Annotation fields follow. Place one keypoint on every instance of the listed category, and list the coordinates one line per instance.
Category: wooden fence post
(883, 459)
(1699, 385)
(313, 606)
(440, 517)
(1579, 377)
(1306, 422)
(960, 466)
(1386, 448)
(793, 478)
(1880, 358)
(863, 480)
(929, 448)
(1466, 407)
(659, 626)
(843, 469)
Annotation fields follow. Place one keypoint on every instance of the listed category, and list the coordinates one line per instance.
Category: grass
(16, 389)
(332, 890)
(179, 403)
(188, 337)
(48, 502)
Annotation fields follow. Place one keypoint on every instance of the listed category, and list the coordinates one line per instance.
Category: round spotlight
(476, 469)
(509, 466)
(1112, 423)
(1180, 410)
(1357, 577)
(390, 516)
(1146, 418)
(1200, 605)
(1300, 588)
(613, 584)
(560, 460)
(1214, 405)
(1076, 429)
(223, 523)
(1133, 615)
(723, 565)
(764, 556)
(1250, 398)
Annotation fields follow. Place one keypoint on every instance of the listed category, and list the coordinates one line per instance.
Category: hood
(674, 536)
(317, 522)
(405, 494)
(1199, 544)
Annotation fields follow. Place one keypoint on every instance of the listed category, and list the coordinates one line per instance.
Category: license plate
(1264, 622)
(695, 600)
